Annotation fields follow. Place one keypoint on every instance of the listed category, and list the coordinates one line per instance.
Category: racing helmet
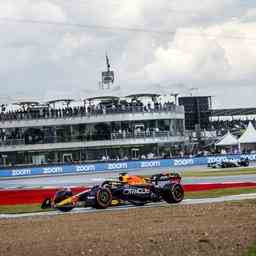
(123, 176)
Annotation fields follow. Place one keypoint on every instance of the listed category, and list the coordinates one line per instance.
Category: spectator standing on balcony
(223, 151)
(150, 155)
(147, 132)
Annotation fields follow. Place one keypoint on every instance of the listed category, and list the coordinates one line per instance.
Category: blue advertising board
(119, 166)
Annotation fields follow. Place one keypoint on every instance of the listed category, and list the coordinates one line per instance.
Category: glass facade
(117, 153)
(91, 132)
(116, 132)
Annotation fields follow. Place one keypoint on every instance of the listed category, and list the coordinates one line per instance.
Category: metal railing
(12, 142)
(143, 134)
(82, 112)
(81, 138)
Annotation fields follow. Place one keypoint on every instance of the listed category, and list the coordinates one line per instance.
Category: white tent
(227, 140)
(249, 136)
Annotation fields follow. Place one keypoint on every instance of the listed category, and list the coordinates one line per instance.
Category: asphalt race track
(84, 179)
(88, 179)
(125, 207)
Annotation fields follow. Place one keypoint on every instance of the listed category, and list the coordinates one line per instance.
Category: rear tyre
(60, 196)
(106, 184)
(173, 193)
(103, 198)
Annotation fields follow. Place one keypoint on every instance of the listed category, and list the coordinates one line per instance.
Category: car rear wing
(172, 176)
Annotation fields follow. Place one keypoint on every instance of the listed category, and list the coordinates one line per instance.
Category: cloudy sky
(56, 48)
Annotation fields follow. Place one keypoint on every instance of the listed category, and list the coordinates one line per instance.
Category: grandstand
(233, 112)
(234, 120)
(106, 127)
(101, 128)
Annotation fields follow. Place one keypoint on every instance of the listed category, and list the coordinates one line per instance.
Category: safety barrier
(33, 196)
(119, 165)
(29, 196)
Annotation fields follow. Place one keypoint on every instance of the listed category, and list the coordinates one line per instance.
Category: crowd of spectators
(235, 126)
(111, 107)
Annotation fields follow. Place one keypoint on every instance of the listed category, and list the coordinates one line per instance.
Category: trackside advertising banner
(118, 166)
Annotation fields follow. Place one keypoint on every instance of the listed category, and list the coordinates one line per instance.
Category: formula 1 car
(128, 189)
(230, 164)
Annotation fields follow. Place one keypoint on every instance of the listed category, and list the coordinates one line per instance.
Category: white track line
(125, 207)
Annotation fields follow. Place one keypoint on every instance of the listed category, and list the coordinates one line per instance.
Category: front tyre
(173, 193)
(103, 198)
(60, 196)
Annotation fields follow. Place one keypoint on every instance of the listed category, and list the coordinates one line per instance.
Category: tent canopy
(249, 136)
(227, 140)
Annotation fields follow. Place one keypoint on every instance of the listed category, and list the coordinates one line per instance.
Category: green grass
(251, 251)
(219, 172)
(188, 195)
(219, 192)
(214, 172)
(21, 208)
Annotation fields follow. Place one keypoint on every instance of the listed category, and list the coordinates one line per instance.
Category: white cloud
(219, 54)
(31, 9)
(37, 58)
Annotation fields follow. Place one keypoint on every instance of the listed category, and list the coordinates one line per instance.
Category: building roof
(233, 112)
(67, 101)
(28, 103)
(103, 98)
(141, 95)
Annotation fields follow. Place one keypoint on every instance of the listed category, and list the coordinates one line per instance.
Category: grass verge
(251, 251)
(12, 209)
(21, 208)
(219, 172)
(219, 192)
(214, 172)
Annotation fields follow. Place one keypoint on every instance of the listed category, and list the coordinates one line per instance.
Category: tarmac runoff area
(89, 179)
(125, 207)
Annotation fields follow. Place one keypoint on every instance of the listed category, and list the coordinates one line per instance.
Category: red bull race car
(127, 189)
